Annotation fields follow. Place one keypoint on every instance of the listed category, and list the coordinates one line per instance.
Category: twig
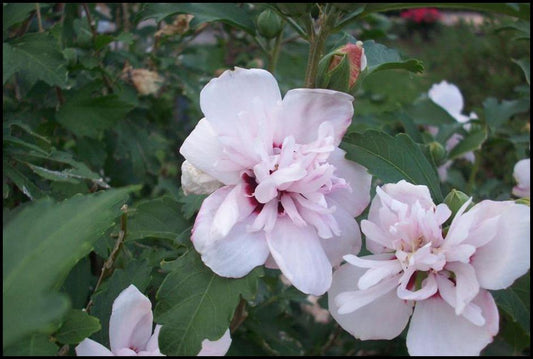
(239, 317)
(90, 20)
(331, 340)
(107, 268)
(39, 20)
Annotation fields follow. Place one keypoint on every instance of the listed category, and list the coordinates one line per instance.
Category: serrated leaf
(228, 13)
(190, 203)
(471, 142)
(33, 345)
(392, 159)
(426, 112)
(77, 326)
(136, 273)
(496, 113)
(88, 116)
(194, 304)
(40, 246)
(36, 56)
(159, 218)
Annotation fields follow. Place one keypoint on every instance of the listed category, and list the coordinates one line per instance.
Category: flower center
(294, 180)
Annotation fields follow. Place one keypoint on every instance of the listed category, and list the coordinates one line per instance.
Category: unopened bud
(269, 24)
(455, 199)
(437, 152)
(340, 69)
(195, 181)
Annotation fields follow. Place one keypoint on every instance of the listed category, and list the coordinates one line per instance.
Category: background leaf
(33, 345)
(203, 12)
(77, 326)
(193, 304)
(44, 242)
(36, 56)
(392, 159)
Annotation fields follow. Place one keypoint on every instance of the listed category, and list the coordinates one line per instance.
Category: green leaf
(77, 326)
(194, 304)
(87, 116)
(191, 203)
(393, 159)
(426, 112)
(36, 56)
(471, 142)
(496, 113)
(137, 272)
(515, 301)
(79, 283)
(14, 13)
(33, 345)
(380, 57)
(228, 13)
(41, 244)
(159, 218)
(525, 66)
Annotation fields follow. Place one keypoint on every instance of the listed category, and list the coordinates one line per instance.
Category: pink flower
(421, 15)
(441, 280)
(130, 331)
(289, 197)
(521, 175)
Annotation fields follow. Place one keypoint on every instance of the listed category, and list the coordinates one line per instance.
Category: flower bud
(195, 181)
(340, 69)
(455, 199)
(269, 24)
(437, 152)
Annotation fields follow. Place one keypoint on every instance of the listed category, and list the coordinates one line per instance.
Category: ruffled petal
(354, 201)
(238, 253)
(384, 317)
(90, 348)
(507, 257)
(216, 348)
(218, 214)
(130, 325)
(304, 110)
(300, 256)
(349, 239)
(436, 330)
(204, 151)
(252, 91)
(467, 286)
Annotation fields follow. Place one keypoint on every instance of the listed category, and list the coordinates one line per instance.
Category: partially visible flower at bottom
(130, 331)
(522, 176)
(440, 281)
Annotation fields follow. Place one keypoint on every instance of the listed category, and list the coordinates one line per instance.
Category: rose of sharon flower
(521, 175)
(130, 331)
(289, 197)
(442, 280)
(449, 97)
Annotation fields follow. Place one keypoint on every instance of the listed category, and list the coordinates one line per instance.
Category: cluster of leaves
(82, 137)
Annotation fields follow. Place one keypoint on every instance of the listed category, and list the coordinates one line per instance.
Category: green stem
(316, 46)
(274, 55)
